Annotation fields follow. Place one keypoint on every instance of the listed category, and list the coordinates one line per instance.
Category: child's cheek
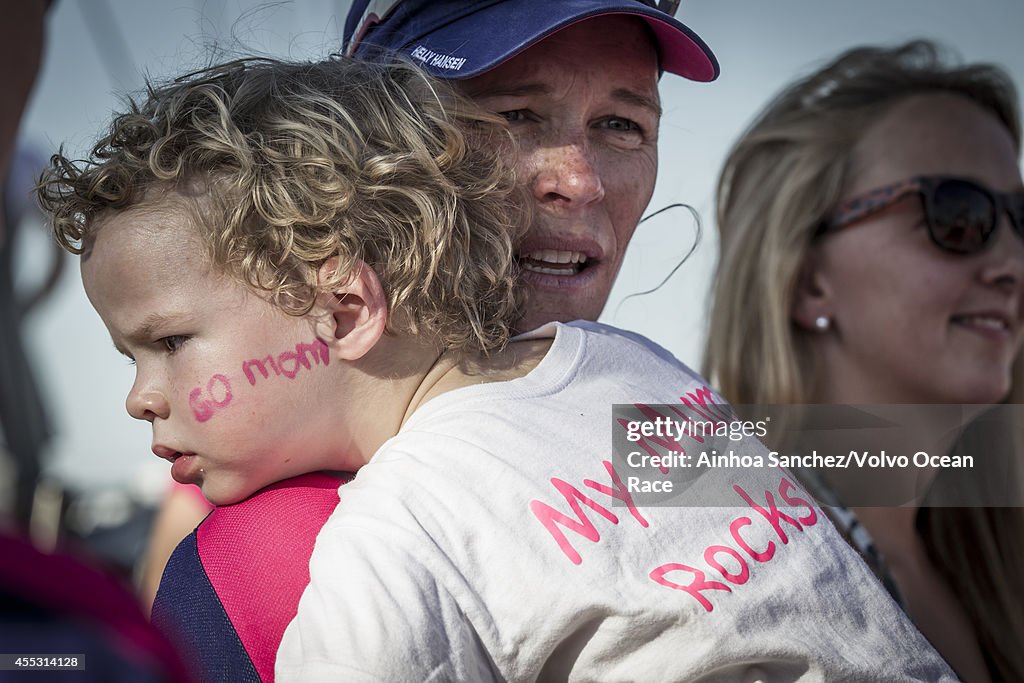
(256, 375)
(205, 401)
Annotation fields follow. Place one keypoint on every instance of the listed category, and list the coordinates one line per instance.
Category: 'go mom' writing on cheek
(206, 401)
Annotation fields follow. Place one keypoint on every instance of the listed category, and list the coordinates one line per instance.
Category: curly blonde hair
(299, 163)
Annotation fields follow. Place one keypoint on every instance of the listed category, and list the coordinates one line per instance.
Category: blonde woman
(872, 236)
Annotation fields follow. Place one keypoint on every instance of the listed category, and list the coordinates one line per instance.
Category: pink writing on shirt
(555, 521)
(694, 580)
(711, 408)
(698, 582)
(729, 561)
(702, 402)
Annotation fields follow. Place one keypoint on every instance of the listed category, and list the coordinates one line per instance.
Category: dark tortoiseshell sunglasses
(961, 215)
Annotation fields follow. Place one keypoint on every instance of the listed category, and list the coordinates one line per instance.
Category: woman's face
(583, 105)
(911, 323)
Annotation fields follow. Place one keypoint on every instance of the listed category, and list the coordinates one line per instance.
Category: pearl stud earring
(822, 323)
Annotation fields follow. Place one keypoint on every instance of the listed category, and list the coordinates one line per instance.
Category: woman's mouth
(991, 325)
(553, 262)
(986, 321)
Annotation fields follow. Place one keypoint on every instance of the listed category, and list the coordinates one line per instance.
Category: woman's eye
(173, 342)
(622, 125)
(514, 116)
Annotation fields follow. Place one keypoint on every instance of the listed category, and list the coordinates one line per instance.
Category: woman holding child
(872, 236)
(487, 534)
(312, 267)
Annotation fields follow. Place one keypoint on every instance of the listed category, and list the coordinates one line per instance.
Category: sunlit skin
(584, 107)
(913, 323)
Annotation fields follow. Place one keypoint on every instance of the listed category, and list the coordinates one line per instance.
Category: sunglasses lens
(962, 216)
(1016, 203)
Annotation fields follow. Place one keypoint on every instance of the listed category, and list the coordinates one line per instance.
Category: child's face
(240, 394)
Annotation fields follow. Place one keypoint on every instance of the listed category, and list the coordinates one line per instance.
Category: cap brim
(463, 47)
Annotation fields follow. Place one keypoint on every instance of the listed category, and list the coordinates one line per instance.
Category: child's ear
(812, 300)
(354, 314)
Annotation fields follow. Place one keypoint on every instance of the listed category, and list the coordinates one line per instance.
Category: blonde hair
(780, 180)
(299, 163)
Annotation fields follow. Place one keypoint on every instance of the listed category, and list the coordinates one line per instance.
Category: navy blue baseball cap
(456, 39)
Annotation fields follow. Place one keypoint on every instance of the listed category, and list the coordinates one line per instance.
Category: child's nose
(144, 403)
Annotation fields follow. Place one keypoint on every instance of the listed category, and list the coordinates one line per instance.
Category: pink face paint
(260, 365)
(202, 409)
(282, 362)
(217, 394)
(205, 405)
(225, 387)
(288, 363)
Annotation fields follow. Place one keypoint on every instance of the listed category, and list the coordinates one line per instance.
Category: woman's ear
(813, 304)
(353, 315)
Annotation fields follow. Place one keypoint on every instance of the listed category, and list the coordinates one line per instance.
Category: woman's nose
(565, 175)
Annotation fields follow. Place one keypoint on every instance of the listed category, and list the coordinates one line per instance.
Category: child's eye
(173, 342)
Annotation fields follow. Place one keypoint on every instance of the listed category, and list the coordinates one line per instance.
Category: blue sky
(98, 49)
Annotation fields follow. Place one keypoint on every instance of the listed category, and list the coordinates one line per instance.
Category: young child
(311, 266)
(287, 251)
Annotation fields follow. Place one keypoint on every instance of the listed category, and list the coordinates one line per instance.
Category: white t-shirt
(490, 540)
